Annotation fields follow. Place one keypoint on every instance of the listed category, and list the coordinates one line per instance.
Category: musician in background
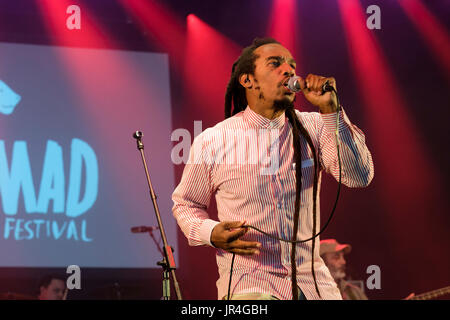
(52, 287)
(332, 253)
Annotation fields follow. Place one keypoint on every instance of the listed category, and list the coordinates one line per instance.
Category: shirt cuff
(205, 231)
(329, 120)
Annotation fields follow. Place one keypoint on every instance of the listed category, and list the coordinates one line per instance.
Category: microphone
(142, 229)
(138, 136)
(293, 84)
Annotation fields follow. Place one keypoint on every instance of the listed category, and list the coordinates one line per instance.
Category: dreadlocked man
(279, 192)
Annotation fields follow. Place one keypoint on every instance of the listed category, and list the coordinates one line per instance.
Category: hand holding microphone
(317, 90)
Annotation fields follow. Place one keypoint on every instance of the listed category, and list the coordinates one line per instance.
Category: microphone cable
(339, 109)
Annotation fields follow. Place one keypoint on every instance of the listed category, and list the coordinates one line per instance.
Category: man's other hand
(226, 234)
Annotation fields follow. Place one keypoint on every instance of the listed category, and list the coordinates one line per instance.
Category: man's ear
(245, 81)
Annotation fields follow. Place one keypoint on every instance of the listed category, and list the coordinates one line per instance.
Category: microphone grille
(293, 84)
(137, 134)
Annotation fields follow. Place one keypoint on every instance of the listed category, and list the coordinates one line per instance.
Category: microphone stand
(168, 262)
(150, 232)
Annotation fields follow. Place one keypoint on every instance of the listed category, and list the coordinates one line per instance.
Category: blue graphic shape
(8, 99)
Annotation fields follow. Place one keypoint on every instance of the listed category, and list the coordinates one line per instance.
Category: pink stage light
(398, 145)
(432, 31)
(54, 15)
(84, 73)
(283, 25)
(163, 27)
(406, 178)
(209, 58)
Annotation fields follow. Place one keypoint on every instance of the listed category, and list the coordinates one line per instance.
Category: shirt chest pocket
(242, 181)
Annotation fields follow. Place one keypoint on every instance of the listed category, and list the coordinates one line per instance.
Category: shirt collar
(263, 122)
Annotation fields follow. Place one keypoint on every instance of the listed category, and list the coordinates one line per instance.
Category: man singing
(264, 164)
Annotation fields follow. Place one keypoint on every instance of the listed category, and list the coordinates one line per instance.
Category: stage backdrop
(72, 182)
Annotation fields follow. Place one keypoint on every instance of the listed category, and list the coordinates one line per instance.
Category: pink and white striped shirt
(246, 161)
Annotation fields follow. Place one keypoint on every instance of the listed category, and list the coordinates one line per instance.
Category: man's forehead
(273, 49)
(57, 282)
(334, 253)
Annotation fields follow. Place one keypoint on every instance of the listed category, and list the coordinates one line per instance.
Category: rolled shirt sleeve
(356, 161)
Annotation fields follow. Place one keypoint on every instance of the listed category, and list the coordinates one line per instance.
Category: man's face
(336, 264)
(54, 291)
(273, 67)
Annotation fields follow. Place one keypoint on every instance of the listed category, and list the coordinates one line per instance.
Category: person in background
(52, 287)
(332, 253)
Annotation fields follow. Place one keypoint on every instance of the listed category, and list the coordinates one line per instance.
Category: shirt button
(279, 205)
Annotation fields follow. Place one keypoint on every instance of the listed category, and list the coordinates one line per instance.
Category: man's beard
(283, 104)
(338, 274)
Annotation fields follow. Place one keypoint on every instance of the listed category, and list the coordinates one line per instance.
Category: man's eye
(276, 63)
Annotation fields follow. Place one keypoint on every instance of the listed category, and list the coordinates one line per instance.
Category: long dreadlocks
(236, 101)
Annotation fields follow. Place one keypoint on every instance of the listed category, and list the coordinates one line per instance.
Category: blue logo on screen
(65, 193)
(8, 99)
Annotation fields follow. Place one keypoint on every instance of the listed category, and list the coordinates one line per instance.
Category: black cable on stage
(332, 211)
(231, 274)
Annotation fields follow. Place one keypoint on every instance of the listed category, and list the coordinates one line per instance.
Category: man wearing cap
(332, 253)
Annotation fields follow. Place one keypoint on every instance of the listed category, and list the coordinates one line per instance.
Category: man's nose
(288, 70)
(289, 73)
